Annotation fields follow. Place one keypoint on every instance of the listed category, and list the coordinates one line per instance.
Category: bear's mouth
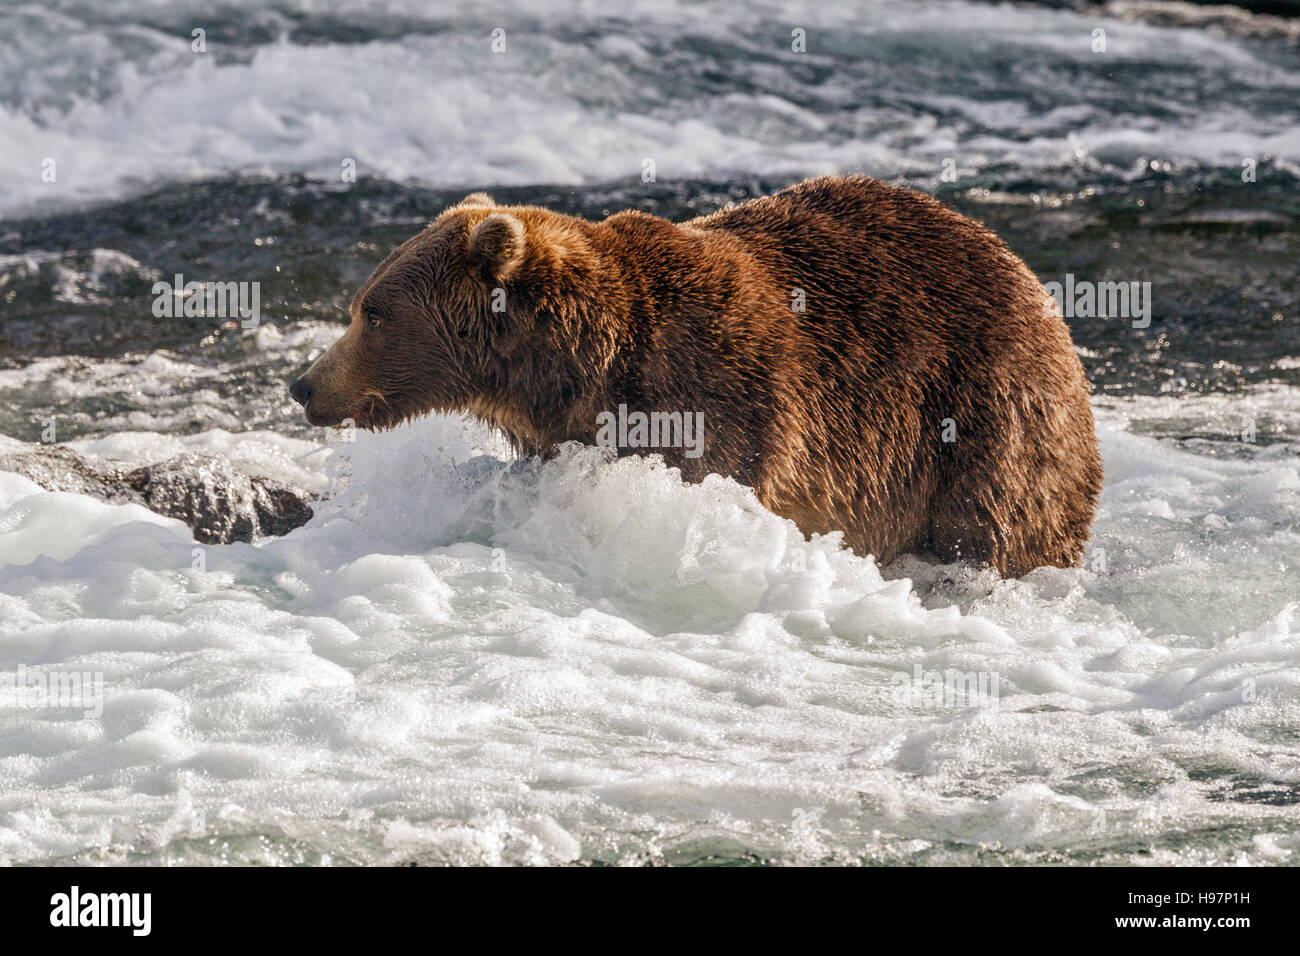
(358, 411)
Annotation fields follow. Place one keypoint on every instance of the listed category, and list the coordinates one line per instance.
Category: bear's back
(875, 253)
(903, 322)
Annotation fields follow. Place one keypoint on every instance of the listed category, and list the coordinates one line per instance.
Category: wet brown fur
(835, 416)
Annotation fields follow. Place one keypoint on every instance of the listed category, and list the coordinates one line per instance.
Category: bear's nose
(300, 391)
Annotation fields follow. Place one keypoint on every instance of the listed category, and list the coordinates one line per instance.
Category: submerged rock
(219, 503)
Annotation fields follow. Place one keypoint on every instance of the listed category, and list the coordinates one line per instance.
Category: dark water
(1220, 255)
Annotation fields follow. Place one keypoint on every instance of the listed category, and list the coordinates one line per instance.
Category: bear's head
(502, 312)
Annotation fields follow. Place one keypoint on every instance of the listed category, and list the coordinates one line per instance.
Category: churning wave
(115, 94)
(467, 659)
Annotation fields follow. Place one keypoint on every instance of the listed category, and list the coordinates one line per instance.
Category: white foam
(463, 658)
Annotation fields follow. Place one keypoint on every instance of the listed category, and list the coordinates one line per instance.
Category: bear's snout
(323, 404)
(300, 391)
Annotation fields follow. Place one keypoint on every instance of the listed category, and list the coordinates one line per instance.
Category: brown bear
(866, 359)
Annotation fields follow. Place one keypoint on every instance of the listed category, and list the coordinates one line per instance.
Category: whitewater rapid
(122, 101)
(464, 658)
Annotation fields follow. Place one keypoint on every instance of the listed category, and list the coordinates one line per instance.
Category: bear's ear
(477, 199)
(496, 245)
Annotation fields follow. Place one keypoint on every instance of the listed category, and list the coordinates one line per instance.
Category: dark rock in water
(219, 503)
(60, 469)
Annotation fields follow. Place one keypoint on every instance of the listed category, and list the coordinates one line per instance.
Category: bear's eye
(374, 321)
